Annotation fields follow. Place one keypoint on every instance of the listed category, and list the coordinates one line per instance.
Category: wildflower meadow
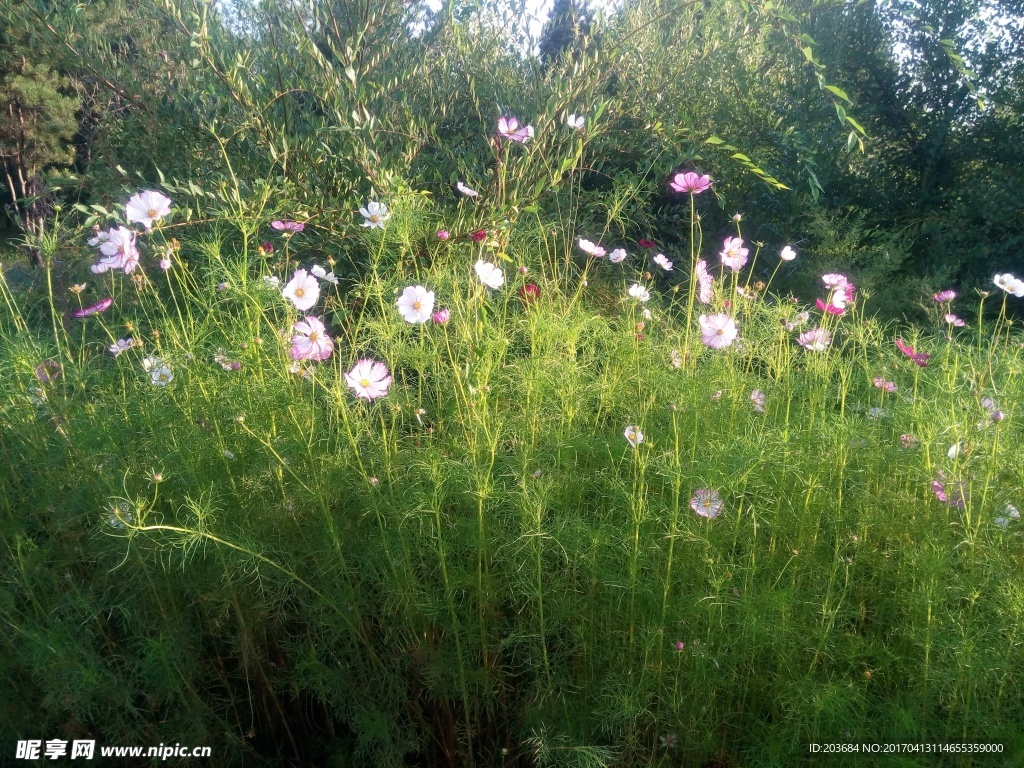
(339, 463)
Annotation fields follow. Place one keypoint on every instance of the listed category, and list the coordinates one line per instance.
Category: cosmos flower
(121, 345)
(835, 281)
(943, 297)
(119, 252)
(302, 290)
(690, 182)
(468, 192)
(100, 306)
(442, 316)
(267, 248)
(147, 208)
(271, 281)
(718, 331)
(645, 243)
(788, 254)
(885, 386)
(815, 340)
(416, 304)
(617, 256)
(310, 340)
(918, 357)
(591, 248)
(634, 435)
(639, 293)
(159, 372)
(369, 379)
(576, 122)
(48, 371)
(662, 261)
(508, 128)
(705, 281)
(1010, 284)
(489, 274)
(831, 308)
(733, 254)
(955, 321)
(707, 503)
(165, 263)
(908, 440)
(757, 398)
(529, 293)
(479, 236)
(797, 321)
(288, 227)
(676, 357)
(375, 214)
(442, 234)
(1010, 514)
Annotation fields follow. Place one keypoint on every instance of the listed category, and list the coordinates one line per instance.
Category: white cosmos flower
(271, 281)
(617, 256)
(467, 191)
(416, 304)
(317, 271)
(954, 451)
(375, 214)
(639, 293)
(634, 435)
(576, 122)
(788, 254)
(1010, 284)
(161, 374)
(119, 252)
(489, 274)
(121, 345)
(662, 261)
(591, 248)
(147, 207)
(302, 290)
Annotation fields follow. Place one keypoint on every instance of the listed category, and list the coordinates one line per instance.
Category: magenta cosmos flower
(719, 331)
(310, 340)
(369, 379)
(442, 234)
(508, 128)
(442, 316)
(733, 254)
(707, 503)
(816, 339)
(690, 182)
(287, 226)
(918, 357)
(100, 306)
(943, 297)
(831, 308)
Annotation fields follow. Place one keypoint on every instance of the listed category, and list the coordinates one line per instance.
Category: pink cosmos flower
(508, 128)
(442, 234)
(662, 261)
(442, 316)
(310, 340)
(787, 254)
(830, 308)
(690, 182)
(734, 255)
(815, 340)
(908, 440)
(302, 290)
(955, 321)
(719, 331)
(918, 357)
(290, 227)
(165, 264)
(121, 345)
(943, 297)
(617, 256)
(369, 379)
(591, 248)
(119, 252)
(757, 398)
(885, 386)
(48, 371)
(147, 208)
(707, 503)
(705, 281)
(835, 281)
(100, 306)
(953, 494)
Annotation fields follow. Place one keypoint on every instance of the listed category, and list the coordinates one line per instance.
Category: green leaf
(856, 125)
(808, 53)
(713, 140)
(740, 156)
(838, 92)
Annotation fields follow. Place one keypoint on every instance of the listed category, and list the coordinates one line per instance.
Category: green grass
(502, 579)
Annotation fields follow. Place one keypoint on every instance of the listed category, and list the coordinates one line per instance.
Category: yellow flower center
(299, 293)
(364, 383)
(151, 213)
(416, 305)
(313, 336)
(374, 218)
(720, 331)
